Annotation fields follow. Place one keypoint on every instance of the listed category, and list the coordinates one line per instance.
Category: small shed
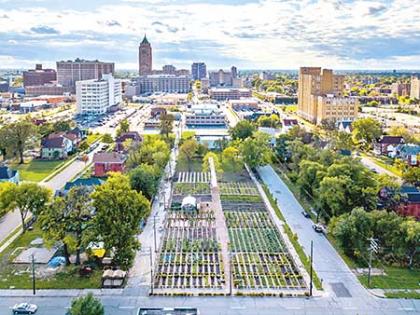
(189, 203)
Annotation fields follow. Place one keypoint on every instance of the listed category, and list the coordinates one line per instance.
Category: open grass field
(37, 170)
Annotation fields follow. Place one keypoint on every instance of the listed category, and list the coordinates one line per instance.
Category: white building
(223, 94)
(167, 83)
(205, 115)
(96, 97)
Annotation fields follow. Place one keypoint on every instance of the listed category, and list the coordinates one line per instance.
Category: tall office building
(96, 97)
(69, 72)
(198, 70)
(415, 88)
(320, 96)
(145, 57)
(38, 76)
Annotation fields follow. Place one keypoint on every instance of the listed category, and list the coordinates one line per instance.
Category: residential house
(9, 175)
(345, 126)
(105, 162)
(410, 202)
(79, 133)
(132, 135)
(388, 145)
(409, 153)
(56, 147)
(289, 124)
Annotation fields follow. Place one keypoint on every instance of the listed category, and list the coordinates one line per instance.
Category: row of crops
(260, 261)
(238, 188)
(184, 189)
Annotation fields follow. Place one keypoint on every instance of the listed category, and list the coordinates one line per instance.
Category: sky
(251, 34)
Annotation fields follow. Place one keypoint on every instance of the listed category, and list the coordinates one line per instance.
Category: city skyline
(341, 35)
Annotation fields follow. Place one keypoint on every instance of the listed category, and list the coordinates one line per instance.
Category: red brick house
(387, 145)
(132, 135)
(105, 162)
(410, 202)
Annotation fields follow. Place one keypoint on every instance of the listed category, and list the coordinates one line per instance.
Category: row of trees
(111, 214)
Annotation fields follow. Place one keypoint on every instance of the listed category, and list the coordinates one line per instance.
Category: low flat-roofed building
(205, 115)
(224, 94)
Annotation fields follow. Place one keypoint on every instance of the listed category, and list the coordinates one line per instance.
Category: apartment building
(415, 88)
(96, 97)
(164, 83)
(400, 89)
(320, 96)
(69, 72)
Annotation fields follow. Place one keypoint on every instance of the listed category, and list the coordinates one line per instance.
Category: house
(79, 133)
(132, 135)
(90, 183)
(345, 126)
(105, 162)
(409, 153)
(388, 145)
(410, 202)
(56, 147)
(289, 124)
(9, 175)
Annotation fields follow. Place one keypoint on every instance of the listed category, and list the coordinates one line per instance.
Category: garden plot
(184, 189)
(194, 177)
(238, 188)
(260, 260)
(190, 261)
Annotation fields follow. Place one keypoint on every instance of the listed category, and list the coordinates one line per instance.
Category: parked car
(319, 228)
(24, 308)
(306, 214)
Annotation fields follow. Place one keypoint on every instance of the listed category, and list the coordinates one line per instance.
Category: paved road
(366, 161)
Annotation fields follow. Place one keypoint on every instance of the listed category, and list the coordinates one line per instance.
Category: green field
(37, 170)
(92, 138)
(395, 278)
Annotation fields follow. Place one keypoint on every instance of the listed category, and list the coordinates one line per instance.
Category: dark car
(306, 214)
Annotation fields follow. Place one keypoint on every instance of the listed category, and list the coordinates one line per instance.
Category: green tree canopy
(86, 305)
(365, 131)
(145, 179)
(242, 130)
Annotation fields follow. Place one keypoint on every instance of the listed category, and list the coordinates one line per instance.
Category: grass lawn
(18, 276)
(37, 170)
(403, 295)
(184, 166)
(395, 278)
(385, 163)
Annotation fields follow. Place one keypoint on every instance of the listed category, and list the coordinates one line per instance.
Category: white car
(24, 308)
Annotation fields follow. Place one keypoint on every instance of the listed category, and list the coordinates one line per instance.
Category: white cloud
(265, 34)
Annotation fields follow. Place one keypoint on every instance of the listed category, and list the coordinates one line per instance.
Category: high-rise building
(320, 96)
(415, 88)
(168, 69)
(69, 72)
(96, 97)
(38, 76)
(234, 72)
(400, 89)
(145, 57)
(198, 70)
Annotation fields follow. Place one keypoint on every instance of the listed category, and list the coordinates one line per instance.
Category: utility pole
(151, 271)
(33, 275)
(311, 271)
(154, 232)
(373, 247)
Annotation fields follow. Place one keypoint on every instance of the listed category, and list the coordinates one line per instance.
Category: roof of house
(109, 157)
(49, 143)
(410, 149)
(93, 181)
(290, 122)
(391, 140)
(134, 135)
(409, 189)
(6, 172)
(345, 124)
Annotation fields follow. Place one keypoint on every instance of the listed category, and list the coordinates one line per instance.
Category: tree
(68, 219)
(107, 138)
(412, 175)
(411, 238)
(145, 179)
(5, 197)
(309, 176)
(166, 124)
(86, 305)
(231, 160)
(342, 141)
(17, 136)
(62, 125)
(153, 151)
(119, 210)
(124, 127)
(216, 162)
(26, 197)
(365, 131)
(188, 150)
(255, 151)
(242, 130)
(403, 132)
(272, 121)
